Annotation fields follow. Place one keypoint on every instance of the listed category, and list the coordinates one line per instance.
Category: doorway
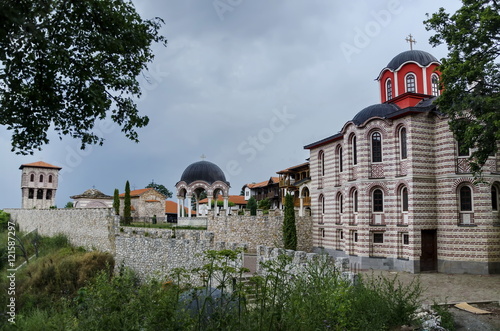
(428, 258)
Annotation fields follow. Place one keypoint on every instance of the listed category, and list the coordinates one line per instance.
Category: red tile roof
(40, 164)
(291, 169)
(236, 199)
(171, 208)
(264, 183)
(137, 193)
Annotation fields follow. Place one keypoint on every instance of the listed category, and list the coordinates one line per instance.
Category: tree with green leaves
(127, 208)
(116, 201)
(289, 228)
(68, 64)
(160, 188)
(252, 205)
(264, 204)
(470, 74)
(69, 205)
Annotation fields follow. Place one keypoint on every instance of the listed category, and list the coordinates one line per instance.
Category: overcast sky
(247, 83)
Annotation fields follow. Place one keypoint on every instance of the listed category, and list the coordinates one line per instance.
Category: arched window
(50, 178)
(340, 203)
(376, 147)
(31, 193)
(39, 194)
(321, 204)
(435, 84)
(48, 195)
(410, 83)
(404, 199)
(354, 150)
(494, 198)
(388, 87)
(465, 198)
(41, 178)
(355, 201)
(321, 163)
(32, 178)
(402, 143)
(339, 157)
(378, 201)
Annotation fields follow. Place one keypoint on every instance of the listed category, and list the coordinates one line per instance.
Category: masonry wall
(266, 230)
(156, 252)
(90, 228)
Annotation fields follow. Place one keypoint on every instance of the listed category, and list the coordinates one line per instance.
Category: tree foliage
(289, 228)
(127, 208)
(252, 205)
(470, 74)
(264, 204)
(116, 201)
(67, 64)
(160, 188)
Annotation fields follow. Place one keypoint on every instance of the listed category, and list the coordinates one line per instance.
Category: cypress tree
(127, 211)
(252, 205)
(116, 202)
(289, 228)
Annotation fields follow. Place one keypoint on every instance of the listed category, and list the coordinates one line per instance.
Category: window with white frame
(435, 85)
(410, 83)
(388, 88)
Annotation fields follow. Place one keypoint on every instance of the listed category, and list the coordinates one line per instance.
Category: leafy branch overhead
(470, 74)
(64, 65)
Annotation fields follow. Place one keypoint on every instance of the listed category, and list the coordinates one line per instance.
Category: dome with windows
(379, 110)
(420, 57)
(204, 171)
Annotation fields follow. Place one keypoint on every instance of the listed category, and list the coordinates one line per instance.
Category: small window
(356, 237)
(378, 201)
(406, 239)
(339, 153)
(465, 198)
(376, 147)
(355, 201)
(410, 83)
(389, 89)
(354, 151)
(321, 163)
(402, 141)
(378, 238)
(462, 149)
(341, 235)
(340, 203)
(39, 194)
(50, 178)
(31, 193)
(32, 178)
(435, 84)
(48, 195)
(404, 199)
(494, 198)
(322, 232)
(41, 178)
(322, 203)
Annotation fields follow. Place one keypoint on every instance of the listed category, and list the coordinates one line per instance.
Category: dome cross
(410, 40)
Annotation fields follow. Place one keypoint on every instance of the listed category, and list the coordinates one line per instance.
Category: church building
(393, 189)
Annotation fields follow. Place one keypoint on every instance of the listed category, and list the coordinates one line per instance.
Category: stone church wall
(266, 230)
(89, 228)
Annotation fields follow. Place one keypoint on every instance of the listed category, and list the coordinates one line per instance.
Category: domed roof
(420, 57)
(203, 170)
(379, 110)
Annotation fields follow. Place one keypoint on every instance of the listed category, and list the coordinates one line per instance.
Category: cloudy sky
(247, 83)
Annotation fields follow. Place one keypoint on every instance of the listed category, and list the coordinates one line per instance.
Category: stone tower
(38, 185)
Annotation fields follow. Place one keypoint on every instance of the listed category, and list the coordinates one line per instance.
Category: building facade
(39, 182)
(393, 190)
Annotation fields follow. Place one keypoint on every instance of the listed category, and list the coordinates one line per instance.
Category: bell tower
(38, 185)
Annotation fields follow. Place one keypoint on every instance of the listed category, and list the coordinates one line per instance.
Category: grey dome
(379, 110)
(203, 170)
(420, 57)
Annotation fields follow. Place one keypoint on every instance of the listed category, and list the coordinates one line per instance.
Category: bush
(4, 220)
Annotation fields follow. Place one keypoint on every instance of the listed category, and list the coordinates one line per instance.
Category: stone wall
(156, 252)
(266, 230)
(90, 228)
